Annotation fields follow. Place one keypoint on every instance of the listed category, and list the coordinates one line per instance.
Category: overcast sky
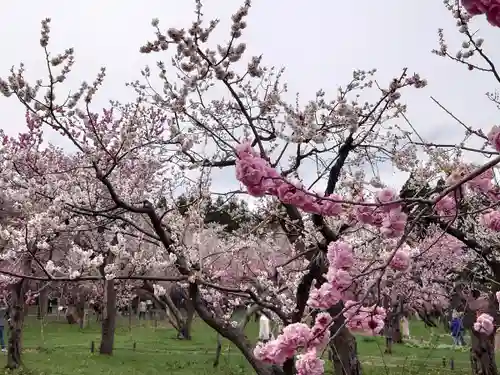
(319, 42)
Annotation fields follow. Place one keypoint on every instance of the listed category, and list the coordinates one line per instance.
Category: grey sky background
(319, 42)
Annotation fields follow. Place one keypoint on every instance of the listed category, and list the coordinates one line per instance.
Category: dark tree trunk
(344, 354)
(393, 321)
(172, 303)
(397, 336)
(447, 320)
(177, 300)
(343, 351)
(43, 302)
(109, 318)
(16, 325)
(236, 336)
(188, 322)
(75, 313)
(482, 354)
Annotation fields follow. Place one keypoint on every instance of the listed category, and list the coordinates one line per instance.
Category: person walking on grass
(3, 315)
(457, 330)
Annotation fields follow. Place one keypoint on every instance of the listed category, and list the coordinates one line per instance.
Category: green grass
(56, 348)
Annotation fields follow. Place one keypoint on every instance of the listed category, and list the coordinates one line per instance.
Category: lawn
(56, 348)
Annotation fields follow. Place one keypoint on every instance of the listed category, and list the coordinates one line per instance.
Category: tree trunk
(482, 354)
(344, 353)
(71, 314)
(183, 326)
(43, 302)
(235, 335)
(16, 325)
(80, 311)
(343, 349)
(109, 318)
(447, 321)
(397, 336)
(130, 316)
(188, 322)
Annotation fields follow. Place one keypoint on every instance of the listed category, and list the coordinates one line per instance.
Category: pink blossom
(475, 7)
(245, 150)
(329, 208)
(270, 352)
(388, 217)
(380, 311)
(373, 324)
(493, 16)
(349, 307)
(288, 193)
(491, 220)
(320, 331)
(482, 183)
(311, 206)
(324, 319)
(368, 319)
(296, 335)
(255, 173)
(494, 137)
(252, 173)
(309, 364)
(368, 214)
(446, 206)
(260, 179)
(378, 217)
(340, 255)
(355, 323)
(364, 214)
(321, 337)
(400, 261)
(365, 324)
(324, 297)
(339, 278)
(497, 295)
(385, 196)
(394, 223)
(484, 324)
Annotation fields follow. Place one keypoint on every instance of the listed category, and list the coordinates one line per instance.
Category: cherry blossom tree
(109, 206)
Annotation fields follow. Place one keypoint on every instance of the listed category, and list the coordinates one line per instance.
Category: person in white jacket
(265, 331)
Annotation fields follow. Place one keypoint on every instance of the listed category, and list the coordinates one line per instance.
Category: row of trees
(107, 215)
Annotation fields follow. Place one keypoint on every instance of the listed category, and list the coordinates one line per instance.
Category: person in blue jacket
(457, 330)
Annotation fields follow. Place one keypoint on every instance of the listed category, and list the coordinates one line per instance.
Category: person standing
(149, 309)
(264, 329)
(405, 327)
(142, 310)
(457, 330)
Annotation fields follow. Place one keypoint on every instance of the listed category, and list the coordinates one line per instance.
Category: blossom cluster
(295, 337)
(338, 278)
(446, 207)
(484, 324)
(299, 336)
(261, 179)
(366, 319)
(388, 217)
(489, 7)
